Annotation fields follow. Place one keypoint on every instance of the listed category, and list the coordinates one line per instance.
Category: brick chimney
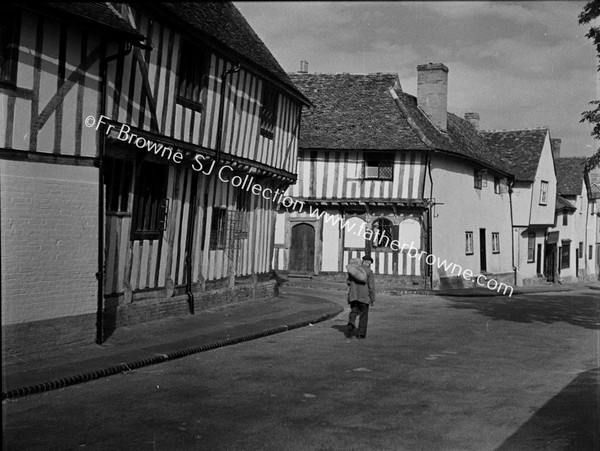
(555, 143)
(473, 118)
(432, 92)
(303, 67)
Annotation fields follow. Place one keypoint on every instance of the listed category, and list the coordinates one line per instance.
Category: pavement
(140, 345)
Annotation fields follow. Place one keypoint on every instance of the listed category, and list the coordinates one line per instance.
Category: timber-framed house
(394, 176)
(136, 142)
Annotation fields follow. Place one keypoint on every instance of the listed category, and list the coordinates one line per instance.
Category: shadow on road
(569, 421)
(578, 309)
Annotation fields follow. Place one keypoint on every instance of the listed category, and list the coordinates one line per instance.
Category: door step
(299, 275)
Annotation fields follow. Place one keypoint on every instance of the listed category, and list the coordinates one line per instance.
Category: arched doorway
(302, 249)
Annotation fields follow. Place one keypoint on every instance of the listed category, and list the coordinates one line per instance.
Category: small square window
(495, 243)
(469, 243)
(544, 193)
(378, 166)
(268, 111)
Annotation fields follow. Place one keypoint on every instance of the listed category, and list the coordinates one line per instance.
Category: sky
(518, 64)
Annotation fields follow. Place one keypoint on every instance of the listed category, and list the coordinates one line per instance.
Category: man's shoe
(349, 330)
(361, 336)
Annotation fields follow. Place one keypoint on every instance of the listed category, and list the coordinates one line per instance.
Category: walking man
(360, 296)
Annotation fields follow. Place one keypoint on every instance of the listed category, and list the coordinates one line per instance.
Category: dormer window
(191, 73)
(268, 111)
(378, 166)
(544, 193)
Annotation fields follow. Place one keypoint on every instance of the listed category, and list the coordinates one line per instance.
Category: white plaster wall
(460, 208)
(49, 237)
(528, 269)
(521, 203)
(331, 234)
(280, 227)
(544, 214)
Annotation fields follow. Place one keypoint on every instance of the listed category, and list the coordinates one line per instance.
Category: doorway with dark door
(550, 262)
(302, 249)
(482, 254)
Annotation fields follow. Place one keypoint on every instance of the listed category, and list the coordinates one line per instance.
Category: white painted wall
(461, 208)
(544, 214)
(49, 237)
(331, 243)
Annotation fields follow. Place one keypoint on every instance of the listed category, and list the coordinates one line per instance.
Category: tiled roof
(358, 112)
(99, 13)
(569, 175)
(223, 22)
(518, 151)
(563, 204)
(353, 112)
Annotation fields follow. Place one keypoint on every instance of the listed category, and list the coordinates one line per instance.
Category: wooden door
(302, 251)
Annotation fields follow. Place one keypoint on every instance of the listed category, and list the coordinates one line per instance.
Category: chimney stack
(432, 92)
(473, 118)
(303, 67)
(555, 144)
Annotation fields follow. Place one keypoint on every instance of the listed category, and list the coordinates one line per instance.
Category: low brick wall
(38, 339)
(155, 304)
(400, 281)
(44, 338)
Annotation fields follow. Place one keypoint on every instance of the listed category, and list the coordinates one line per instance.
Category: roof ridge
(343, 73)
(542, 127)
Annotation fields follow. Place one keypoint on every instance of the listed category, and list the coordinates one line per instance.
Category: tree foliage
(590, 12)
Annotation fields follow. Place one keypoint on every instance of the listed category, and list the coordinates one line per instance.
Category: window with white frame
(544, 193)
(469, 243)
(531, 247)
(495, 242)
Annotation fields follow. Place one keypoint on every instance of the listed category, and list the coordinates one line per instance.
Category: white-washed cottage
(575, 222)
(528, 155)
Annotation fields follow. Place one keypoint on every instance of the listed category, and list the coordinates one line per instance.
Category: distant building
(528, 155)
(576, 221)
(373, 158)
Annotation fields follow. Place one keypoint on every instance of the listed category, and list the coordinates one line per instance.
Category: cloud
(519, 64)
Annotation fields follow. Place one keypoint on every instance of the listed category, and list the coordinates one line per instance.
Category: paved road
(434, 373)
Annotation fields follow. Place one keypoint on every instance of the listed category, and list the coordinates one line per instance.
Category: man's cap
(367, 258)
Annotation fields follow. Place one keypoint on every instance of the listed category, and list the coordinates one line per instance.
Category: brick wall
(156, 305)
(49, 233)
(40, 339)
